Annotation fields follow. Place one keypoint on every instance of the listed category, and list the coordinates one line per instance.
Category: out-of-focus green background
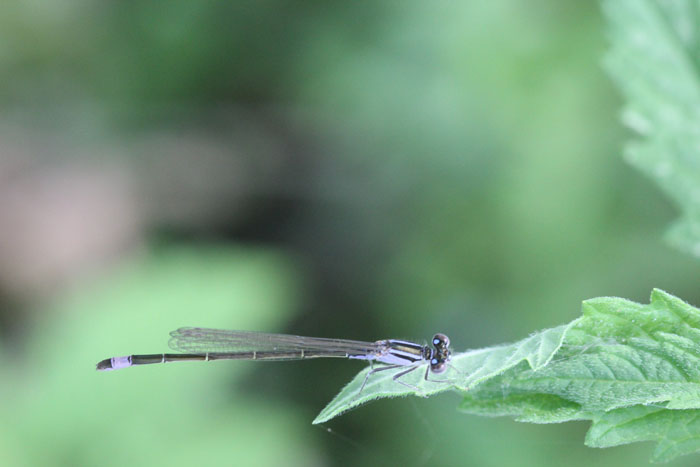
(343, 169)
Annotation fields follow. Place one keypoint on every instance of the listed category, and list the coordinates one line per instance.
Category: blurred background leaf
(140, 419)
(361, 170)
(653, 58)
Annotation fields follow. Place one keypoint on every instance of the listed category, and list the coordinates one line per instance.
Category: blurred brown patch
(60, 218)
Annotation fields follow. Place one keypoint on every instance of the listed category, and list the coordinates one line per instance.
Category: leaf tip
(320, 418)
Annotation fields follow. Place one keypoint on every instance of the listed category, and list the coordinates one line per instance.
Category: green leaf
(632, 369)
(621, 353)
(653, 58)
(489, 401)
(677, 431)
(466, 370)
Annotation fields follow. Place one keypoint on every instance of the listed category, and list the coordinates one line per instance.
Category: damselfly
(201, 344)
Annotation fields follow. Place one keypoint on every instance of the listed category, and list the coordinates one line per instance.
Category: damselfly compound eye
(441, 340)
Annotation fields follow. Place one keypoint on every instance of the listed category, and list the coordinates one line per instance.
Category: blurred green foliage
(60, 411)
(447, 167)
(653, 60)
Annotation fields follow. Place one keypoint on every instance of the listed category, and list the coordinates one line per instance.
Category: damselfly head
(441, 354)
